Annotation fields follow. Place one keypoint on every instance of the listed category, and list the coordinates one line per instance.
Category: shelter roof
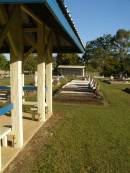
(55, 15)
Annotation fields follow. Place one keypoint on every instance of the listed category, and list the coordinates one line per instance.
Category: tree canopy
(30, 64)
(109, 54)
(65, 59)
(122, 43)
(4, 63)
(68, 59)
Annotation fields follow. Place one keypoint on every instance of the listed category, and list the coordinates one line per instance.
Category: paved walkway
(77, 87)
(76, 90)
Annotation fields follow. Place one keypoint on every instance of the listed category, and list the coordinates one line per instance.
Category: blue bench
(25, 88)
(29, 88)
(4, 88)
(4, 110)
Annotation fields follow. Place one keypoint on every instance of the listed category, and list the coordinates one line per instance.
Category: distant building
(72, 70)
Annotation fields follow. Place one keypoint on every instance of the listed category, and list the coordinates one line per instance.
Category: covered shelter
(34, 26)
(72, 70)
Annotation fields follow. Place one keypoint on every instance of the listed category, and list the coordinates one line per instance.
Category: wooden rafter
(31, 50)
(30, 30)
(30, 41)
(48, 47)
(31, 14)
(5, 30)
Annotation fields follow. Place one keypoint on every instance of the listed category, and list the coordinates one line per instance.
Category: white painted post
(83, 72)
(41, 35)
(58, 78)
(16, 99)
(35, 78)
(23, 86)
(49, 87)
(4, 141)
(89, 79)
(0, 157)
(41, 91)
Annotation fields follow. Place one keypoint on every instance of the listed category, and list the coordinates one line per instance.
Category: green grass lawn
(6, 81)
(90, 139)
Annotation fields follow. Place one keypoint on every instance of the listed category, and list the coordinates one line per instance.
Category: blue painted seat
(25, 88)
(6, 109)
(29, 88)
(4, 88)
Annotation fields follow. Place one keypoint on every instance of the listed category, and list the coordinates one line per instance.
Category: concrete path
(30, 128)
(76, 87)
(76, 91)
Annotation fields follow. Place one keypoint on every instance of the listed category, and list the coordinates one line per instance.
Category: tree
(30, 64)
(4, 63)
(122, 43)
(126, 65)
(109, 55)
(97, 50)
(68, 59)
(111, 66)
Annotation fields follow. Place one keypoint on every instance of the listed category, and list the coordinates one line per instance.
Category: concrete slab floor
(30, 128)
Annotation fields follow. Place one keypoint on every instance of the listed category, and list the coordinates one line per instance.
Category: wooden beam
(4, 17)
(30, 29)
(48, 49)
(5, 30)
(31, 14)
(30, 51)
(41, 37)
(30, 40)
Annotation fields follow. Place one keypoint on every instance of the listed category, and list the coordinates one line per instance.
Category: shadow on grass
(126, 90)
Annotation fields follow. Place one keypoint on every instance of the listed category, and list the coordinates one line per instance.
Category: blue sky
(94, 18)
